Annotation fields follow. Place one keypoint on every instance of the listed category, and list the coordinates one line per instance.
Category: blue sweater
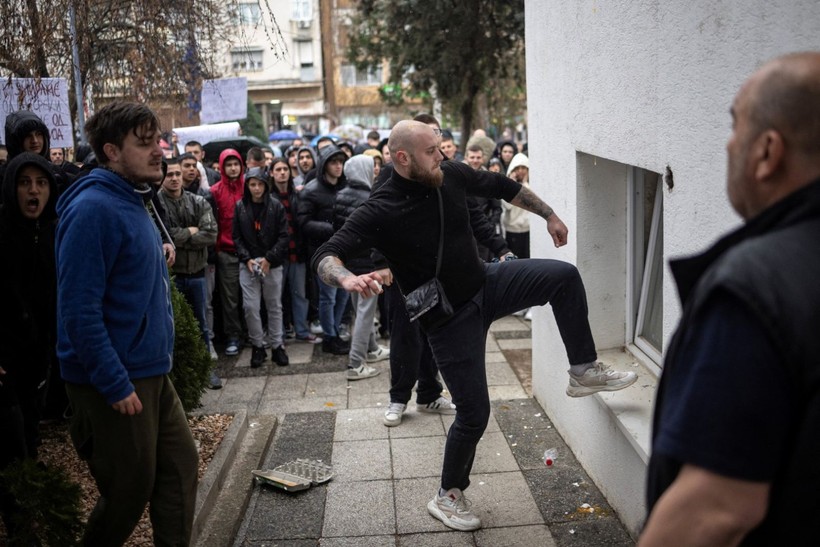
(115, 321)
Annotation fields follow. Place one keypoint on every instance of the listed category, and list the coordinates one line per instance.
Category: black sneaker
(280, 357)
(335, 345)
(258, 356)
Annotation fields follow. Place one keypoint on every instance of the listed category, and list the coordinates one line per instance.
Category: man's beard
(431, 179)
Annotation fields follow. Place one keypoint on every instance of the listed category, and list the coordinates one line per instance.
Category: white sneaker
(528, 315)
(316, 328)
(214, 354)
(394, 414)
(599, 378)
(442, 405)
(361, 373)
(453, 509)
(379, 355)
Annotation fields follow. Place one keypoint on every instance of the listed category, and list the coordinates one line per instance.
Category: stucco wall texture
(646, 83)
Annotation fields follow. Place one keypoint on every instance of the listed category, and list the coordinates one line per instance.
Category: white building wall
(646, 83)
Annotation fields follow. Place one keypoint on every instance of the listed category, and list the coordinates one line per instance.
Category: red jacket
(224, 195)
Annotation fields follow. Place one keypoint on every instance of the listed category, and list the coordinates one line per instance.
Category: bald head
(414, 149)
(774, 149)
(405, 135)
(784, 95)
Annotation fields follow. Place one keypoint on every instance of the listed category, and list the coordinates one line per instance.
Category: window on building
(247, 60)
(302, 10)
(645, 232)
(304, 49)
(351, 77)
(249, 14)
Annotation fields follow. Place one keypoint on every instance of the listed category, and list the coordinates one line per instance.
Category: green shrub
(191, 372)
(48, 504)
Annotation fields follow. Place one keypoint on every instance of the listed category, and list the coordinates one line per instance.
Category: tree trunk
(39, 53)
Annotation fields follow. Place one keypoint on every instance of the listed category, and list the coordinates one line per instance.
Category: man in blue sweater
(116, 335)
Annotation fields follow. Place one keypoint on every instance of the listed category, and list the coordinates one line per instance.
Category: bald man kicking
(402, 220)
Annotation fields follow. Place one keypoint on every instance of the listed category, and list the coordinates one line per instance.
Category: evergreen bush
(191, 372)
(48, 504)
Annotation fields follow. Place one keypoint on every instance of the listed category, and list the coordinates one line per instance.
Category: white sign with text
(46, 97)
(224, 100)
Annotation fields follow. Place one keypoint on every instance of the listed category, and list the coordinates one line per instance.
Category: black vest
(772, 264)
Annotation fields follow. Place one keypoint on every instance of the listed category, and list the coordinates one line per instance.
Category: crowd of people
(285, 242)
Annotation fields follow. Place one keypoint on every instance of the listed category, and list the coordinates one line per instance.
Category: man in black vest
(735, 442)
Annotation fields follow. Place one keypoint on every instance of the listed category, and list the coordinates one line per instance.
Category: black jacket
(28, 283)
(772, 264)
(401, 219)
(268, 238)
(484, 231)
(316, 204)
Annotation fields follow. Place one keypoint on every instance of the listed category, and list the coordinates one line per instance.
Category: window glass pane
(653, 317)
(302, 10)
(305, 49)
(249, 13)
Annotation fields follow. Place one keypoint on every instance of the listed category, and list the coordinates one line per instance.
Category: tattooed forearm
(527, 200)
(331, 271)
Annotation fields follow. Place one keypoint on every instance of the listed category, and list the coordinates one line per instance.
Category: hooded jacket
(358, 171)
(265, 236)
(115, 321)
(21, 123)
(317, 201)
(499, 146)
(301, 178)
(224, 195)
(28, 285)
(515, 219)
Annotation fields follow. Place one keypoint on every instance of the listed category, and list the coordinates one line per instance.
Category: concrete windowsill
(631, 408)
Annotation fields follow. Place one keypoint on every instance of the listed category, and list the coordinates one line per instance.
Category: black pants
(459, 345)
(410, 356)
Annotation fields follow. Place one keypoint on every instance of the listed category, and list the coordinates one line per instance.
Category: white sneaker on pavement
(442, 405)
(394, 414)
(453, 509)
(379, 355)
(361, 373)
(599, 378)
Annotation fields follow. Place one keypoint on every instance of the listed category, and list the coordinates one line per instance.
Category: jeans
(410, 356)
(332, 302)
(459, 345)
(363, 338)
(210, 284)
(227, 267)
(294, 275)
(194, 289)
(268, 288)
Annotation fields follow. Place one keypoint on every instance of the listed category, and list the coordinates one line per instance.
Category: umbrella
(283, 135)
(349, 132)
(241, 144)
(317, 137)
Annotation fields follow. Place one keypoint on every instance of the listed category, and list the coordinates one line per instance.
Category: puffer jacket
(359, 174)
(316, 203)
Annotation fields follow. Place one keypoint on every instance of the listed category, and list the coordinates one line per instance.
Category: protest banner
(46, 97)
(224, 100)
(205, 133)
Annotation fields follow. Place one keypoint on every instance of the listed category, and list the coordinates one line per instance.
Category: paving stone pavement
(384, 477)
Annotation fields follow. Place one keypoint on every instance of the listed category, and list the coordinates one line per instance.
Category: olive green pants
(137, 460)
